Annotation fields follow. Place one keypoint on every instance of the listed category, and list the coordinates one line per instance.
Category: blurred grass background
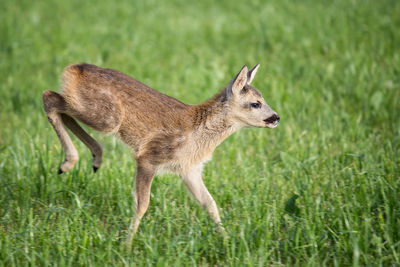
(321, 189)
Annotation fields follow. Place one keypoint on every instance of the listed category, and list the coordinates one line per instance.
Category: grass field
(323, 188)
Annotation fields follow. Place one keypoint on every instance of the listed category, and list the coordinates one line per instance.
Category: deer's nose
(273, 118)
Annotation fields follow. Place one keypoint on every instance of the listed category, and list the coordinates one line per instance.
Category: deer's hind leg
(89, 141)
(54, 106)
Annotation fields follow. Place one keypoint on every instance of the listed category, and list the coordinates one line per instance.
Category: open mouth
(272, 124)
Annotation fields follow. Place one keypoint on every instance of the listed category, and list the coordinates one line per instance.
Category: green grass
(321, 189)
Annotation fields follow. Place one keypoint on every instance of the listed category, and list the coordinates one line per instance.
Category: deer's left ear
(252, 73)
(240, 81)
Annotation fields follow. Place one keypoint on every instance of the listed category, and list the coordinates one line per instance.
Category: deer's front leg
(196, 186)
(144, 177)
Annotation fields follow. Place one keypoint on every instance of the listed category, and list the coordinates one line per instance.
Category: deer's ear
(240, 81)
(252, 73)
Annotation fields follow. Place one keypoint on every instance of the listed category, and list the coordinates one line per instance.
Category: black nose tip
(273, 119)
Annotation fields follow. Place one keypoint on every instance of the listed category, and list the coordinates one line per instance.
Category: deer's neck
(212, 123)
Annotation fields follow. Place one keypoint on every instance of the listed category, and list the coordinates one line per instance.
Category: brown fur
(165, 133)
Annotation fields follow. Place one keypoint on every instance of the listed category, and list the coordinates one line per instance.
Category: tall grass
(321, 189)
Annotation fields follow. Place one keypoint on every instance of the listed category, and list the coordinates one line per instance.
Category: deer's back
(110, 101)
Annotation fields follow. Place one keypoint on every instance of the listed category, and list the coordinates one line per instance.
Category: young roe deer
(165, 133)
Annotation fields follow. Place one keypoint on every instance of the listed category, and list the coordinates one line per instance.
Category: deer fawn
(165, 133)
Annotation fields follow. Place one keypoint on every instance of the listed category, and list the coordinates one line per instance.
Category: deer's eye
(256, 105)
